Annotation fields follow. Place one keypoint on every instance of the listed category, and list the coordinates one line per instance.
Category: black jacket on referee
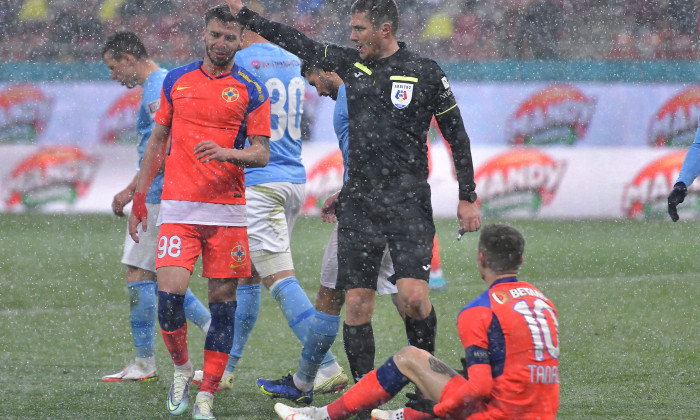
(391, 102)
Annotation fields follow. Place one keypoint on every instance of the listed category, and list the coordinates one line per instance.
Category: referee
(392, 95)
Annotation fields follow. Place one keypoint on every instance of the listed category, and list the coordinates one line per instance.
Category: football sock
(173, 325)
(196, 312)
(217, 345)
(359, 347)
(298, 310)
(142, 303)
(411, 414)
(421, 332)
(319, 338)
(374, 389)
(435, 262)
(248, 296)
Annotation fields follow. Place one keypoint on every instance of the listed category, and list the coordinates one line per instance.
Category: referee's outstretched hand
(676, 197)
(235, 6)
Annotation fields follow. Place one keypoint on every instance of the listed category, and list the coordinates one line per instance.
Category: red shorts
(224, 249)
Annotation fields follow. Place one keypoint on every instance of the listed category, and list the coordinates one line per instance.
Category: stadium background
(614, 78)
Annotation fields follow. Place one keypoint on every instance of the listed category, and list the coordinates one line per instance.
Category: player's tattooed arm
(438, 366)
(258, 154)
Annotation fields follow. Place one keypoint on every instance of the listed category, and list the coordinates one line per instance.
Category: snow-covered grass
(626, 293)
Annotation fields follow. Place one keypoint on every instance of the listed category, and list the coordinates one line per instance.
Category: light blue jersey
(281, 72)
(150, 102)
(341, 126)
(691, 164)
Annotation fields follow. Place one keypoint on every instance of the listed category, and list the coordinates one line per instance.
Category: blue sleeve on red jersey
(481, 300)
(257, 92)
(175, 74)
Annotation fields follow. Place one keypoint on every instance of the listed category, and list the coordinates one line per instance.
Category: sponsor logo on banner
(518, 183)
(401, 94)
(24, 113)
(646, 196)
(676, 122)
(322, 180)
(558, 114)
(118, 124)
(53, 174)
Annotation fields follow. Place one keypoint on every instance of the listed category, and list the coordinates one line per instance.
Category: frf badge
(401, 94)
(238, 253)
(230, 94)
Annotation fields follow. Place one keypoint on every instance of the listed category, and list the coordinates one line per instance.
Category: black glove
(419, 403)
(675, 198)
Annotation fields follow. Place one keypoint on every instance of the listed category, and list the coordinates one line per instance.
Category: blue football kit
(280, 71)
(150, 102)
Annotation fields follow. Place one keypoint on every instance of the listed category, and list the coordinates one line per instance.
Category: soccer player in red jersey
(511, 342)
(207, 109)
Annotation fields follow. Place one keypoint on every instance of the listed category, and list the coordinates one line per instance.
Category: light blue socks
(298, 310)
(248, 296)
(142, 302)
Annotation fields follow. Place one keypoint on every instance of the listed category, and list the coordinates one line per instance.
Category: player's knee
(269, 263)
(406, 357)
(415, 305)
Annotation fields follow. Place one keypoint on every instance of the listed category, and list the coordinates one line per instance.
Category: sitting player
(511, 341)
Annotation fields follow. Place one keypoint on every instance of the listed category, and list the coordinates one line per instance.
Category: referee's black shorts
(370, 216)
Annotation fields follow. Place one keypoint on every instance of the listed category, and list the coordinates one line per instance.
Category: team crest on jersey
(401, 94)
(230, 94)
(238, 254)
(500, 297)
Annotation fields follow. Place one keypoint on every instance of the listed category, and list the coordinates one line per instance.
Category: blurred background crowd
(72, 30)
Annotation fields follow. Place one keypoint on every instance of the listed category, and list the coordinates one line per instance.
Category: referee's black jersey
(390, 104)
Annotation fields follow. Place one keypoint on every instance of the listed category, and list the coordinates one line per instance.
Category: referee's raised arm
(235, 6)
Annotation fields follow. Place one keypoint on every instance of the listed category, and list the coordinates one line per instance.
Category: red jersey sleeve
(164, 115)
(473, 324)
(258, 121)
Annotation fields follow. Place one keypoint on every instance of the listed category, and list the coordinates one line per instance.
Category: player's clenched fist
(139, 215)
(235, 6)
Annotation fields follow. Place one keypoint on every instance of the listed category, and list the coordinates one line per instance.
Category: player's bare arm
(123, 197)
(151, 163)
(254, 156)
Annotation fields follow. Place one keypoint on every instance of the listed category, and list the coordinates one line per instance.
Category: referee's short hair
(378, 12)
(125, 42)
(503, 247)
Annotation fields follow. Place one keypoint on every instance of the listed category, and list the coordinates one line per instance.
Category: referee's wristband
(467, 195)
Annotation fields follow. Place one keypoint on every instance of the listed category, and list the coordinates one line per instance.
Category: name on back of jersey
(543, 374)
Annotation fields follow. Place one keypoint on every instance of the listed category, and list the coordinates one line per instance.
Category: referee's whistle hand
(468, 216)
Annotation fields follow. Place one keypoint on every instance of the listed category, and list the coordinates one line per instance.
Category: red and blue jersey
(198, 106)
(511, 342)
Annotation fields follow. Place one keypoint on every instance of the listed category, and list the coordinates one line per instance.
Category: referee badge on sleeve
(401, 94)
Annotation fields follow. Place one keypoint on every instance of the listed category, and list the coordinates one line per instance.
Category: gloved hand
(676, 197)
(419, 403)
